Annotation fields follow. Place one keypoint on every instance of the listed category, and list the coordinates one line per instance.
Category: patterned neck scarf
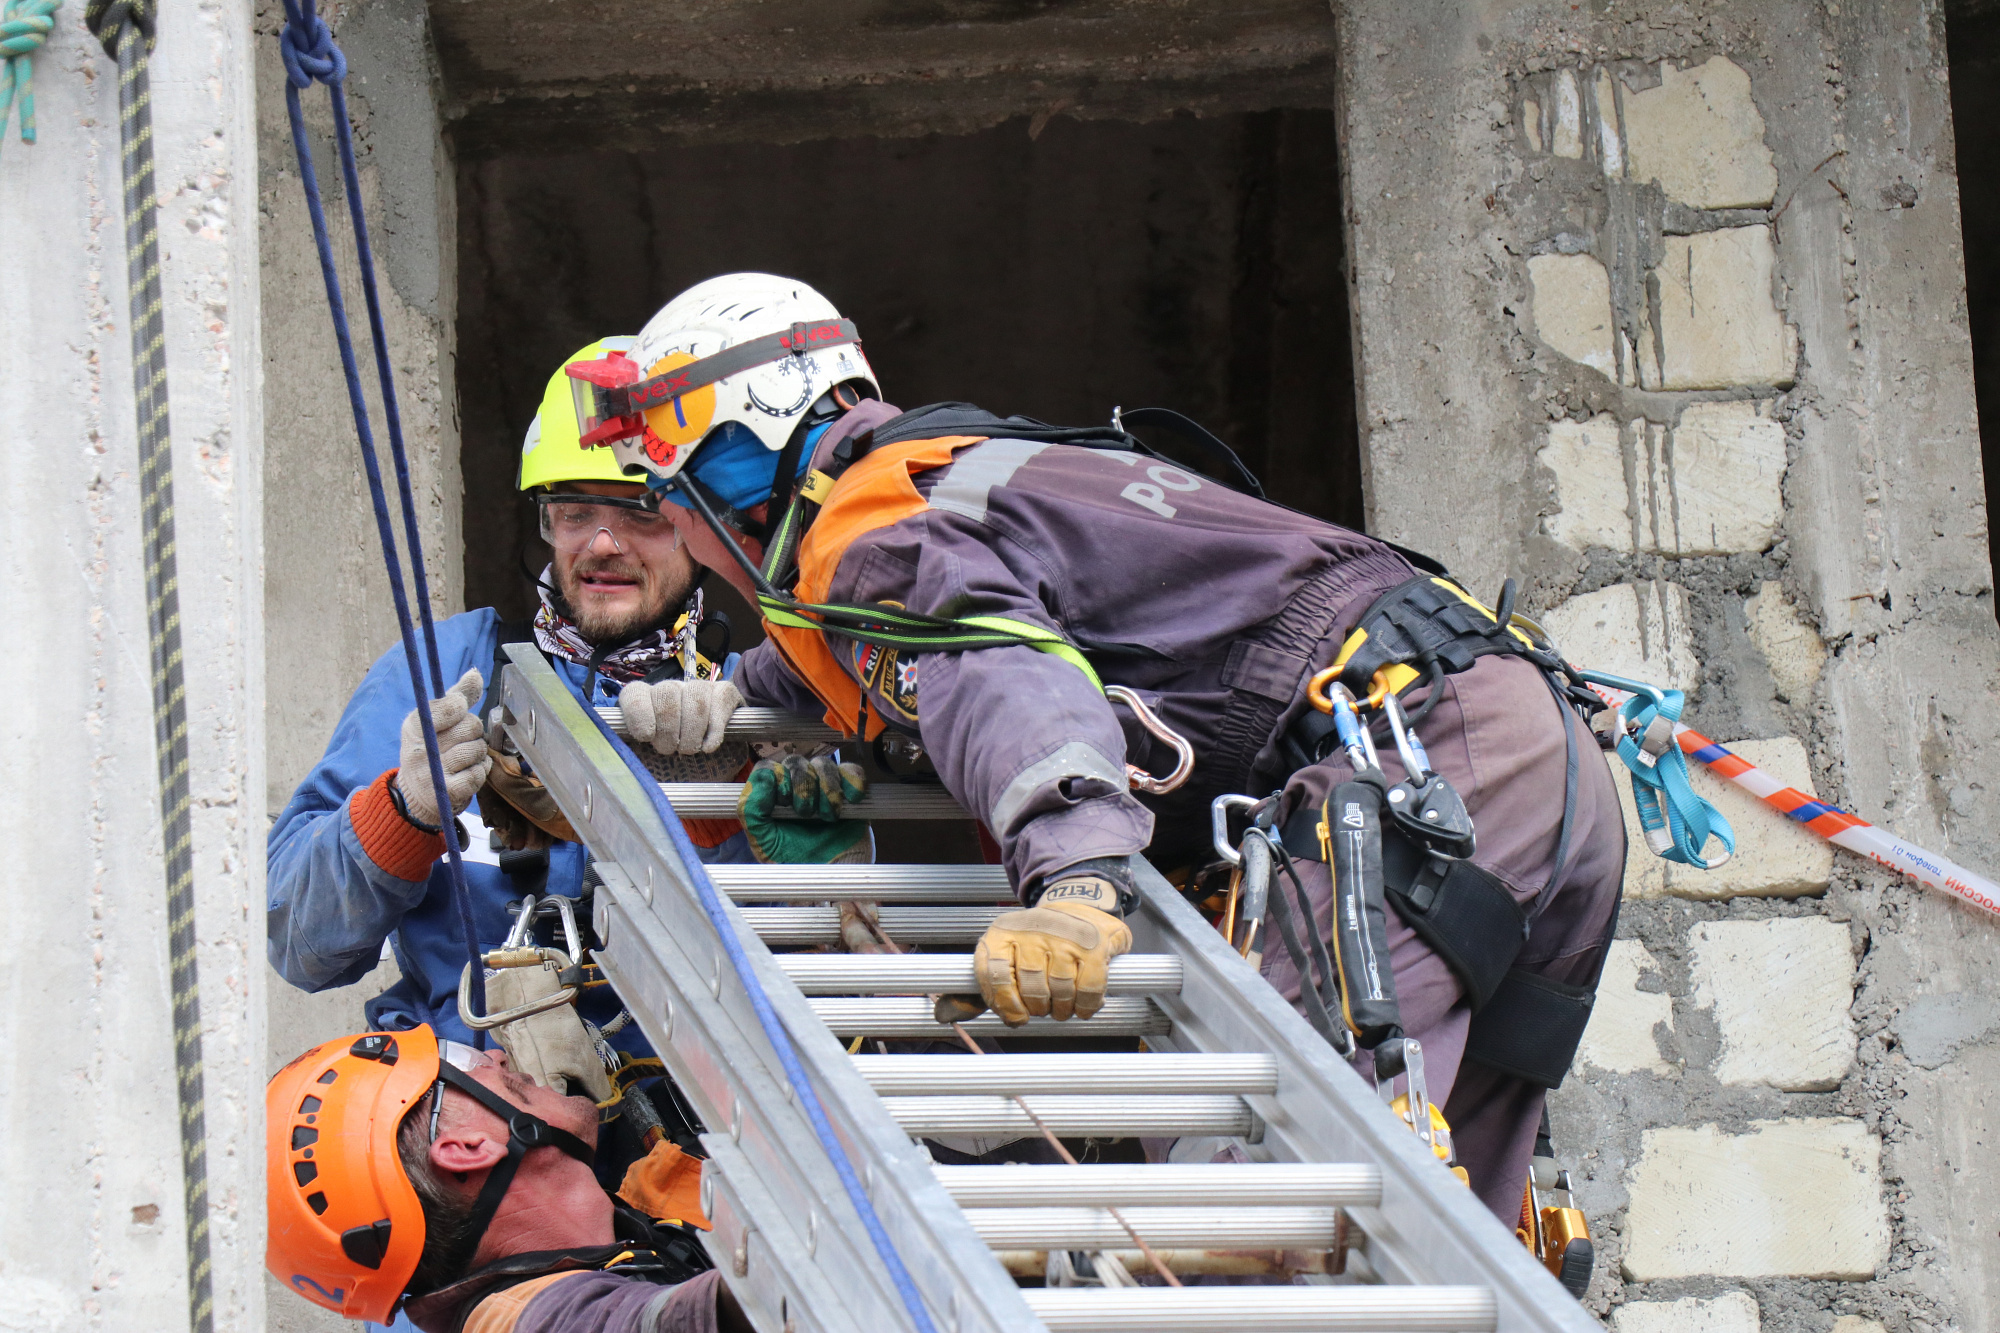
(558, 636)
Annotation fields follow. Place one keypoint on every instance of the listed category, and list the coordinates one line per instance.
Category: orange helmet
(346, 1226)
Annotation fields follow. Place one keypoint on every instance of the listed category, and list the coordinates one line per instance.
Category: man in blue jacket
(356, 857)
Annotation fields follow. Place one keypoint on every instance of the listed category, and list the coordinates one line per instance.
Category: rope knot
(24, 26)
(108, 21)
(308, 47)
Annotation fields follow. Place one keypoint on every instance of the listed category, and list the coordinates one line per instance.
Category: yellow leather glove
(1047, 960)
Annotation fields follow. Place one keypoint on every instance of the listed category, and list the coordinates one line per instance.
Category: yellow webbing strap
(1043, 640)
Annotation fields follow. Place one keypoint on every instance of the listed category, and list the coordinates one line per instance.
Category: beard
(661, 593)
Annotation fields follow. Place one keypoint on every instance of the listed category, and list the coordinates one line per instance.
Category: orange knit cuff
(392, 842)
(706, 833)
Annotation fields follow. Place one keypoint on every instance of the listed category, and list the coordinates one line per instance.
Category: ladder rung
(952, 973)
(1345, 1309)
(1118, 1185)
(908, 1018)
(1180, 1228)
(985, 885)
(804, 927)
(753, 724)
(1284, 1264)
(1103, 1075)
(717, 800)
(1119, 1117)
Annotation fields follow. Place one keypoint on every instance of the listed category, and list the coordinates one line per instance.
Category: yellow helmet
(553, 451)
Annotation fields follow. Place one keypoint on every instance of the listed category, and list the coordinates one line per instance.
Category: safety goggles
(611, 397)
(570, 523)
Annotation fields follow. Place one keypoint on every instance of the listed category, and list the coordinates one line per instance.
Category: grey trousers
(1497, 737)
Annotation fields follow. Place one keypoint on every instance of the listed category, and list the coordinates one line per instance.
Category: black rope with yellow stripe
(125, 27)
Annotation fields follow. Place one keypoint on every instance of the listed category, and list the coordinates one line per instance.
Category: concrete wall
(326, 604)
(326, 598)
(91, 1221)
(1664, 314)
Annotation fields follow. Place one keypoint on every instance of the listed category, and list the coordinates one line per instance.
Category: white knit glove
(679, 716)
(461, 745)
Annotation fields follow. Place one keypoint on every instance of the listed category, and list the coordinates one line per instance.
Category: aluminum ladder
(1223, 1056)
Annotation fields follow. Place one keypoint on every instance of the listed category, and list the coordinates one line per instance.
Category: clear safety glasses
(570, 523)
(459, 1056)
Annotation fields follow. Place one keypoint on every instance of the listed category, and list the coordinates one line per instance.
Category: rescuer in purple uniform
(1095, 566)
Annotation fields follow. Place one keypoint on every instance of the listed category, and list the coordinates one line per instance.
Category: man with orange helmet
(405, 1173)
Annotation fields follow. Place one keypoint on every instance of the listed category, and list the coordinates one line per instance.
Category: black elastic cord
(692, 491)
(1321, 959)
(1309, 992)
(1195, 433)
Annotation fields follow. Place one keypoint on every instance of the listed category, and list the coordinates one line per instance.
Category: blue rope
(24, 27)
(310, 55)
(767, 1017)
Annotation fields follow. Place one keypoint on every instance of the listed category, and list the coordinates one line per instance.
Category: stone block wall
(1659, 283)
(1651, 317)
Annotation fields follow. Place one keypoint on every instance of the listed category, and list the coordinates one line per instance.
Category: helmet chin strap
(525, 1132)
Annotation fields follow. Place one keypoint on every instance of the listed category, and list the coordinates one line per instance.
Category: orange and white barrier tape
(1840, 828)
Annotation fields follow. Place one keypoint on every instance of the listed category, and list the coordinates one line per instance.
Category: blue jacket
(329, 907)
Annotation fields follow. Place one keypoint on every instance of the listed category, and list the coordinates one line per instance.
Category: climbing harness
(126, 30)
(24, 27)
(660, 1251)
(310, 55)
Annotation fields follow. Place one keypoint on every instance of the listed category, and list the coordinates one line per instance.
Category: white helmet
(751, 348)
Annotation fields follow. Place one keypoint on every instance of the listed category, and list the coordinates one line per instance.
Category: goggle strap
(801, 338)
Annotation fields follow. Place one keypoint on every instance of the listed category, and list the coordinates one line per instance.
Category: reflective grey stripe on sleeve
(964, 487)
(1074, 760)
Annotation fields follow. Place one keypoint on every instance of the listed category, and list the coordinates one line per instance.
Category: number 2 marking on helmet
(301, 1282)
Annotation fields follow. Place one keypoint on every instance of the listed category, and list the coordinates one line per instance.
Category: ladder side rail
(719, 1057)
(778, 1282)
(953, 1268)
(742, 1104)
(1428, 1229)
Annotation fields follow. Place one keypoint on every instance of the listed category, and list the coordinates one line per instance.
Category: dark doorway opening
(1973, 43)
(1054, 267)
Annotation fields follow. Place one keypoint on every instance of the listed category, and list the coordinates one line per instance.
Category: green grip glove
(816, 790)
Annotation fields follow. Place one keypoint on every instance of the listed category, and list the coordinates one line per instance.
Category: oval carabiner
(1137, 776)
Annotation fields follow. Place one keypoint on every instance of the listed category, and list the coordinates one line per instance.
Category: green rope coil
(125, 27)
(24, 26)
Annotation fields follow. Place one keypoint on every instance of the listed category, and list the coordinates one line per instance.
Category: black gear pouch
(1351, 836)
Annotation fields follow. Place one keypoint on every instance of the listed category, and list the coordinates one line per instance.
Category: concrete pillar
(1662, 312)
(91, 1221)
